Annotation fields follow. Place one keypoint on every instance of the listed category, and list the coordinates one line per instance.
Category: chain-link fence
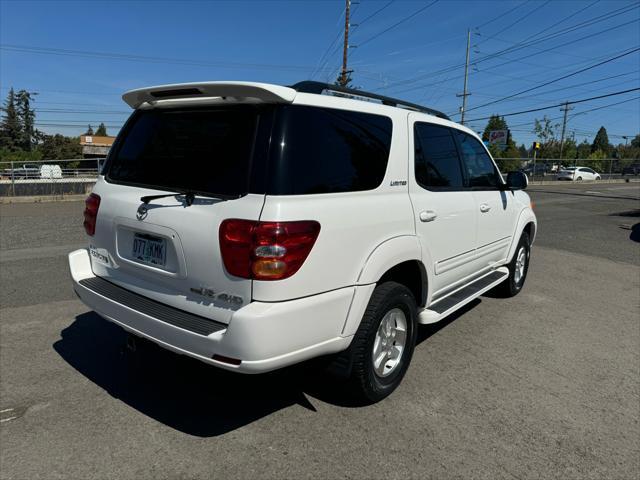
(77, 176)
(579, 169)
(48, 177)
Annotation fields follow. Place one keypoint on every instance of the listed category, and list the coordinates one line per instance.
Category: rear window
(323, 150)
(207, 151)
(283, 150)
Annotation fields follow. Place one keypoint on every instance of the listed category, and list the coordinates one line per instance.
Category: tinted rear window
(322, 150)
(208, 151)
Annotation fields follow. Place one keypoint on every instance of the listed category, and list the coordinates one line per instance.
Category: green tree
(59, 147)
(524, 153)
(583, 150)
(10, 128)
(507, 157)
(89, 130)
(601, 142)
(636, 141)
(546, 133)
(27, 118)
(496, 122)
(101, 131)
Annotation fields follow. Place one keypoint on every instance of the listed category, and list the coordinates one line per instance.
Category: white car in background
(578, 174)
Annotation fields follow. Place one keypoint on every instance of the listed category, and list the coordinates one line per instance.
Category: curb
(586, 182)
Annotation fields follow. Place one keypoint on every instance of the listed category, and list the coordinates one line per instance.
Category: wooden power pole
(464, 93)
(343, 80)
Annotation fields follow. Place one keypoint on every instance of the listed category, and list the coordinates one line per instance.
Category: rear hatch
(196, 167)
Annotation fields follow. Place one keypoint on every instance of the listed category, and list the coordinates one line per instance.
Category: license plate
(149, 249)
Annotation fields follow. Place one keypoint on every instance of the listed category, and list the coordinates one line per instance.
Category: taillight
(91, 205)
(266, 250)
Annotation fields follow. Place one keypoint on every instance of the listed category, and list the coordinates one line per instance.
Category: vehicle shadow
(176, 390)
(190, 396)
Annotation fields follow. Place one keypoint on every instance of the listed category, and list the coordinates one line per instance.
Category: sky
(81, 56)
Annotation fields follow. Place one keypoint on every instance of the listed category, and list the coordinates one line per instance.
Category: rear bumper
(264, 336)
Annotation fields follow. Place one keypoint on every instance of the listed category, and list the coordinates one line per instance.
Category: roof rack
(310, 86)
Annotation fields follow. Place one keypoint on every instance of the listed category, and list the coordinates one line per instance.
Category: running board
(452, 302)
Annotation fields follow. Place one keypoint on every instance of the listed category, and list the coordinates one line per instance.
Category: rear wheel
(579, 179)
(383, 345)
(518, 269)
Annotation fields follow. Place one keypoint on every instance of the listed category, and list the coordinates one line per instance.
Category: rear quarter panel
(352, 224)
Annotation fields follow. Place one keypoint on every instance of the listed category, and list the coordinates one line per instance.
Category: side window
(437, 164)
(480, 169)
(324, 150)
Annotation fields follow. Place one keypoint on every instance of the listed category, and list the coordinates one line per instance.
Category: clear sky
(80, 56)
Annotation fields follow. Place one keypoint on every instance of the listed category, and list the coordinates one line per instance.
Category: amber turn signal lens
(269, 268)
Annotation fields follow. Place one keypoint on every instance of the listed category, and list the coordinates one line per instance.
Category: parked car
(578, 174)
(633, 169)
(293, 230)
(23, 171)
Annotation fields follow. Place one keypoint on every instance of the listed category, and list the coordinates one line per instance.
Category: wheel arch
(397, 259)
(526, 223)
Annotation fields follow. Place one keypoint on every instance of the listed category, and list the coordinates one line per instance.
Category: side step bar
(457, 299)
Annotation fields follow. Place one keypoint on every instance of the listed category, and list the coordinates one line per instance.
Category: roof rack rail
(309, 86)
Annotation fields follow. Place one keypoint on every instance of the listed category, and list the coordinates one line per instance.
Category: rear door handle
(484, 208)
(428, 216)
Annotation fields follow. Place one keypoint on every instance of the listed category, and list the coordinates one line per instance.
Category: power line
(320, 63)
(523, 17)
(521, 45)
(577, 114)
(366, 19)
(397, 23)
(537, 96)
(557, 79)
(148, 59)
(504, 14)
(559, 104)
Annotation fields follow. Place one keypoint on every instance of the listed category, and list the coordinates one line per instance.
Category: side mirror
(517, 181)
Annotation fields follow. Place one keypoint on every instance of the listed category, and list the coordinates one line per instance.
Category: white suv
(254, 226)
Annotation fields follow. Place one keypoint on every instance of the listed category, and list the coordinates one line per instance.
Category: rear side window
(437, 165)
(207, 151)
(481, 171)
(322, 150)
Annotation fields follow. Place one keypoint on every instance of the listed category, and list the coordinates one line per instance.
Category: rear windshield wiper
(189, 197)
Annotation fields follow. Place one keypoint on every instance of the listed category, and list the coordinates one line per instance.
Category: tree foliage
(10, 130)
(601, 142)
(496, 122)
(60, 147)
(101, 131)
(20, 141)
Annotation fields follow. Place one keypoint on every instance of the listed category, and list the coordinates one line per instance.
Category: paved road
(544, 385)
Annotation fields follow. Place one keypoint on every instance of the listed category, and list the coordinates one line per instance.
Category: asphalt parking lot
(543, 385)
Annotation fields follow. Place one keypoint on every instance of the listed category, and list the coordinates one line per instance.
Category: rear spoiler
(263, 91)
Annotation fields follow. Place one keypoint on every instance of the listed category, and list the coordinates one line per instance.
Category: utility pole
(565, 108)
(343, 80)
(465, 94)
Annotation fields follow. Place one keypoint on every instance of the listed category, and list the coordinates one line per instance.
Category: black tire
(510, 287)
(579, 179)
(367, 386)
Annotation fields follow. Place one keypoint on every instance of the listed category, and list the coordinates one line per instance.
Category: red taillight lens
(266, 250)
(91, 205)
